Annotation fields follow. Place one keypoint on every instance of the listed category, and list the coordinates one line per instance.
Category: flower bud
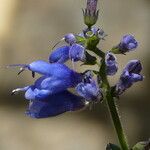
(111, 64)
(70, 38)
(77, 52)
(89, 89)
(130, 75)
(127, 44)
(90, 13)
(98, 32)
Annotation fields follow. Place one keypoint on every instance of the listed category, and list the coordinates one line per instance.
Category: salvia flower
(127, 44)
(54, 105)
(89, 89)
(77, 52)
(73, 51)
(60, 55)
(111, 64)
(49, 95)
(130, 75)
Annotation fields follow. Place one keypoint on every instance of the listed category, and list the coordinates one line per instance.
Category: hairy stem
(113, 108)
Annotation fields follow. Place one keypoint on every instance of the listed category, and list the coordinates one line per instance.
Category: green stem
(113, 108)
(116, 120)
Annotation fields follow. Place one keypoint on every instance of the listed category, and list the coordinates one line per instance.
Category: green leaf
(145, 145)
(112, 147)
(90, 60)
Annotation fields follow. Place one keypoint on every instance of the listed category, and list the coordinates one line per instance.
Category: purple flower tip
(91, 5)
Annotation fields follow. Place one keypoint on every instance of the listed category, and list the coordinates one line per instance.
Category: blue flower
(60, 55)
(77, 52)
(48, 96)
(89, 89)
(54, 105)
(128, 43)
(130, 75)
(111, 64)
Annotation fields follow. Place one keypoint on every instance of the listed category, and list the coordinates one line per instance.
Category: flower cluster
(50, 94)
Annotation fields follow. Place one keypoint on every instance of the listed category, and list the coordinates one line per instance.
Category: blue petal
(134, 66)
(45, 86)
(77, 52)
(54, 105)
(55, 70)
(34, 93)
(89, 90)
(136, 77)
(60, 55)
(128, 43)
(70, 38)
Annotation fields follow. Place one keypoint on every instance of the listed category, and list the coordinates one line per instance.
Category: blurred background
(28, 31)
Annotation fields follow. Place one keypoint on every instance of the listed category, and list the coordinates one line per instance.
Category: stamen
(23, 67)
(58, 43)
(15, 91)
(21, 70)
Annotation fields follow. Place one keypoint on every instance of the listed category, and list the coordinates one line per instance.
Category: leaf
(145, 145)
(112, 147)
(90, 60)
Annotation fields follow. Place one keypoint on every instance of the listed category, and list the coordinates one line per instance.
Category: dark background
(28, 30)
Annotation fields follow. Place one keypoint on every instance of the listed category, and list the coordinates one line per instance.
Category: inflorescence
(49, 95)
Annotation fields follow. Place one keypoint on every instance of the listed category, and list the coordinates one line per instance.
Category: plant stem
(113, 108)
(116, 120)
